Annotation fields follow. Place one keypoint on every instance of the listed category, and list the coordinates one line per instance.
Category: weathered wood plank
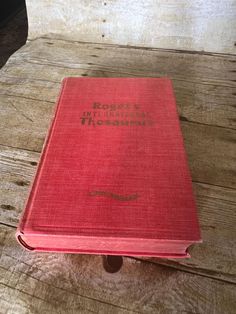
(29, 89)
(197, 102)
(193, 25)
(70, 283)
(205, 90)
(211, 153)
(209, 68)
(214, 258)
(205, 85)
(206, 145)
(24, 121)
(17, 171)
(26, 287)
(206, 104)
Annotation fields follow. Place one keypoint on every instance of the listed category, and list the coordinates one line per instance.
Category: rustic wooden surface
(205, 87)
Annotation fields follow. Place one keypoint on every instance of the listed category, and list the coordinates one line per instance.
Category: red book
(113, 176)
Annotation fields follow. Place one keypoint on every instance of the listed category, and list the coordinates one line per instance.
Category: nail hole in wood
(8, 207)
(112, 263)
(21, 183)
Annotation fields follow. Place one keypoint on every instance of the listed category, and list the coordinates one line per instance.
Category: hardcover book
(113, 175)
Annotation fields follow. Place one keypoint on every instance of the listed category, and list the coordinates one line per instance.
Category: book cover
(113, 175)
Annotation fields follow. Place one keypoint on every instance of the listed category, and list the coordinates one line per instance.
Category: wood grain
(200, 67)
(205, 106)
(78, 283)
(193, 25)
(216, 206)
(211, 153)
(205, 87)
(17, 171)
(24, 121)
(216, 256)
(201, 103)
(206, 146)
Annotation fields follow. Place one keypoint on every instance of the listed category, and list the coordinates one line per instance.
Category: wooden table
(205, 87)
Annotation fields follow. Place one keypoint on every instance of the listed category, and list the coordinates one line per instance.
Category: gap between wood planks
(194, 181)
(181, 118)
(105, 70)
(185, 269)
(164, 264)
(185, 121)
(67, 291)
(57, 37)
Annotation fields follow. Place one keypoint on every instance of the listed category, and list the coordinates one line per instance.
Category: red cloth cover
(113, 176)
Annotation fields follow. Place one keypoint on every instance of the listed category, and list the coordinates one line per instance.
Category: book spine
(34, 184)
